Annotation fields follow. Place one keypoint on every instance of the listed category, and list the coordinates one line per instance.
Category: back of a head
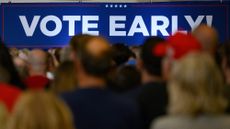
(40, 110)
(77, 40)
(121, 53)
(95, 56)
(38, 60)
(197, 79)
(208, 37)
(151, 62)
(126, 78)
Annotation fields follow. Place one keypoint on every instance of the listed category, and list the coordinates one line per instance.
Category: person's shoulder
(123, 101)
(70, 95)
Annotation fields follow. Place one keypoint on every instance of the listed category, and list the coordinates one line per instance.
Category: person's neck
(88, 81)
(147, 78)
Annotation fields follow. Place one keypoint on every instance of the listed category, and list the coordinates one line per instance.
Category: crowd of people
(182, 82)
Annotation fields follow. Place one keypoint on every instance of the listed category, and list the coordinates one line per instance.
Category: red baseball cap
(179, 45)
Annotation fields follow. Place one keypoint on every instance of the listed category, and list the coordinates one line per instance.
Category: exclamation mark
(209, 20)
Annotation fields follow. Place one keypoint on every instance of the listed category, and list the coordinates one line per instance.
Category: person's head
(125, 78)
(76, 42)
(40, 110)
(64, 78)
(121, 53)
(38, 63)
(224, 53)
(94, 57)
(149, 62)
(7, 63)
(208, 37)
(176, 47)
(196, 86)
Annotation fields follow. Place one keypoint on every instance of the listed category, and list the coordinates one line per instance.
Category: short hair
(121, 53)
(197, 80)
(96, 65)
(39, 109)
(126, 78)
(77, 40)
(151, 62)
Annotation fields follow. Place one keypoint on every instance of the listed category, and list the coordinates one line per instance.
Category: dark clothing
(152, 99)
(100, 109)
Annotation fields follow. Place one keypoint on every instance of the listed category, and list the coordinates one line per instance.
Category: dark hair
(121, 53)
(151, 62)
(94, 65)
(77, 40)
(126, 78)
(7, 63)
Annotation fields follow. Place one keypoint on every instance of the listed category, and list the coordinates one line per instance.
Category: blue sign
(53, 24)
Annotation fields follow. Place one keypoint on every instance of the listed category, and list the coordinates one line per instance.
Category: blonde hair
(40, 110)
(196, 86)
(3, 116)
